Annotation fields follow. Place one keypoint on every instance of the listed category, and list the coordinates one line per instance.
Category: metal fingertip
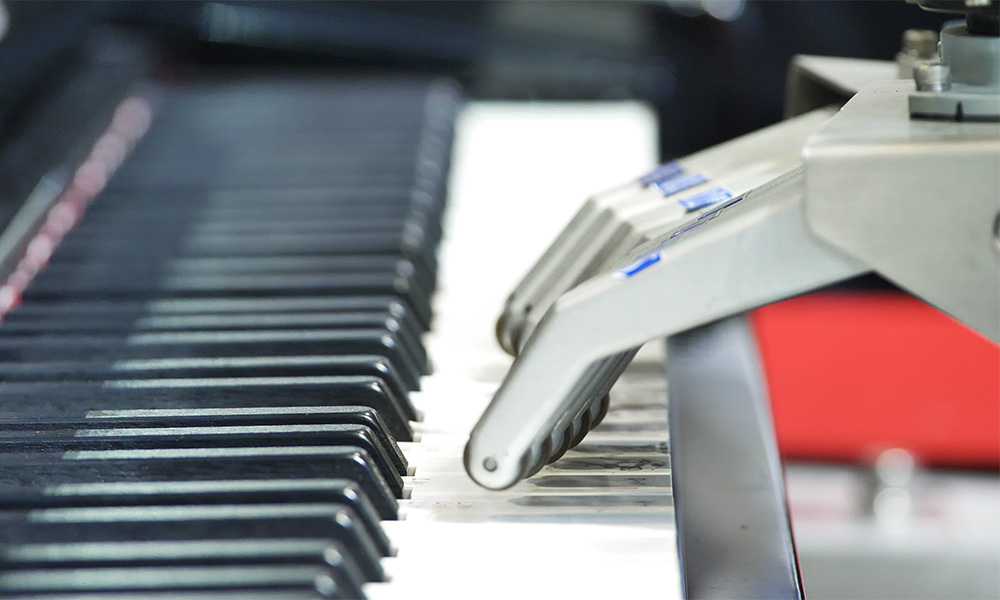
(564, 443)
(605, 406)
(503, 334)
(584, 419)
(543, 456)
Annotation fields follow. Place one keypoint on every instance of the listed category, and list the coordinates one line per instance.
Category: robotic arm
(903, 181)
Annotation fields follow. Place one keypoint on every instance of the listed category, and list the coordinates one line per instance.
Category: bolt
(894, 467)
(888, 488)
(921, 44)
(932, 77)
(490, 464)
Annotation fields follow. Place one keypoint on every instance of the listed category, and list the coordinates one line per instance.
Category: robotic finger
(610, 225)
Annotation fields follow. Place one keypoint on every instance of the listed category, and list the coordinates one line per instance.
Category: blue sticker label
(706, 198)
(662, 172)
(640, 264)
(679, 184)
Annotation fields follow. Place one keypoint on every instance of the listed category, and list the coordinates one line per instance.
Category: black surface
(133, 310)
(733, 531)
(185, 493)
(201, 464)
(215, 417)
(254, 366)
(164, 435)
(39, 400)
(220, 354)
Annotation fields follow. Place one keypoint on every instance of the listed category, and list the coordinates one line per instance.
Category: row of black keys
(203, 392)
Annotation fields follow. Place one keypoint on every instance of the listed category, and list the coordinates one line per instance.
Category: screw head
(921, 44)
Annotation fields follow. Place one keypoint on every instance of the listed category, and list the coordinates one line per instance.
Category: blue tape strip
(662, 172)
(640, 264)
(679, 184)
(706, 198)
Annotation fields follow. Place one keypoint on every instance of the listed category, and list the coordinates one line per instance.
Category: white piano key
(598, 524)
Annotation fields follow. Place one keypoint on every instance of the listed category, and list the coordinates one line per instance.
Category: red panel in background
(853, 373)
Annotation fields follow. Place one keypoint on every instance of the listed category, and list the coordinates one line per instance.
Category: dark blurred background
(712, 69)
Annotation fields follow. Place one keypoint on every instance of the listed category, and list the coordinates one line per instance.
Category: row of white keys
(599, 523)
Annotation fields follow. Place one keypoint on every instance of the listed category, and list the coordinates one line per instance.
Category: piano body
(247, 328)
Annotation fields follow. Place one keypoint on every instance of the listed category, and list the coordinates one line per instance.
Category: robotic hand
(903, 181)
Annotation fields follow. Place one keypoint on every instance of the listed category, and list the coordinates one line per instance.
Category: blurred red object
(852, 373)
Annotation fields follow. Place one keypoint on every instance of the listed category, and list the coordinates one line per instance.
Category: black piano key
(120, 286)
(215, 343)
(348, 173)
(333, 556)
(182, 493)
(365, 98)
(340, 201)
(180, 119)
(218, 232)
(168, 368)
(232, 321)
(244, 207)
(281, 207)
(131, 310)
(240, 265)
(394, 150)
(69, 270)
(312, 155)
(186, 595)
(289, 264)
(178, 123)
(331, 146)
(409, 331)
(168, 435)
(406, 330)
(263, 152)
(201, 464)
(256, 245)
(282, 226)
(211, 229)
(61, 400)
(217, 417)
(74, 584)
(195, 523)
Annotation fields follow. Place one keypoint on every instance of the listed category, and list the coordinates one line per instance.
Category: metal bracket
(917, 200)
(965, 85)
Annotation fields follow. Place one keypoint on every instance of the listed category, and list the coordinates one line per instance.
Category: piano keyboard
(204, 391)
(218, 386)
